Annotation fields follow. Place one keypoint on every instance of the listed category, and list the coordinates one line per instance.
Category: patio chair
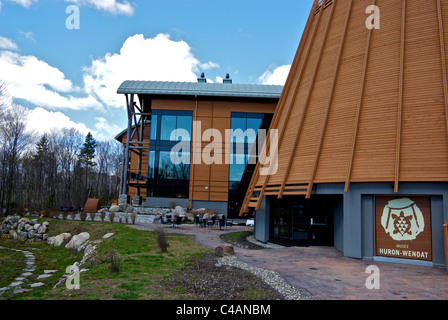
(222, 222)
(167, 219)
(177, 221)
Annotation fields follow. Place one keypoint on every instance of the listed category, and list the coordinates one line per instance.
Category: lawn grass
(236, 236)
(142, 266)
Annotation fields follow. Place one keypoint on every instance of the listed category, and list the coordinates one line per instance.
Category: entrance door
(296, 221)
(300, 225)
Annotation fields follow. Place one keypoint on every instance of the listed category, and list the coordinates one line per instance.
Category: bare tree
(14, 139)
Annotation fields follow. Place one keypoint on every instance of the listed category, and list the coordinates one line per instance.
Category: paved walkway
(327, 274)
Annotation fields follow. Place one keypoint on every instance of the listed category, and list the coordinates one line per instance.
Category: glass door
(300, 225)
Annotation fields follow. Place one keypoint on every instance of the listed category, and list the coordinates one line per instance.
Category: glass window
(153, 134)
(168, 125)
(244, 146)
(185, 122)
(238, 125)
(236, 169)
(151, 167)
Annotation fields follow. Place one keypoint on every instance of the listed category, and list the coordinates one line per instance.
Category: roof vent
(227, 79)
(202, 78)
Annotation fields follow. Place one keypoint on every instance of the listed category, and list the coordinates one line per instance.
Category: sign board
(403, 227)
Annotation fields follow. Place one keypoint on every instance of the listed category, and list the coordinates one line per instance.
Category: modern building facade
(362, 135)
(191, 143)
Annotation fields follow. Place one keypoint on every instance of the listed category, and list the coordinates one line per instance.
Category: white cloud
(275, 75)
(7, 44)
(111, 6)
(24, 3)
(42, 121)
(105, 130)
(157, 59)
(37, 82)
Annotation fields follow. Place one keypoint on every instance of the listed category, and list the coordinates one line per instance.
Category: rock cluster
(24, 229)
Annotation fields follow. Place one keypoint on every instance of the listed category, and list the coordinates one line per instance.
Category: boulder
(225, 249)
(114, 208)
(77, 241)
(42, 229)
(179, 211)
(59, 239)
(108, 235)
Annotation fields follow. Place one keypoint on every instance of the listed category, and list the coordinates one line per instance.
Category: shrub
(111, 216)
(73, 215)
(114, 262)
(161, 240)
(92, 215)
(83, 216)
(64, 215)
(133, 217)
(103, 215)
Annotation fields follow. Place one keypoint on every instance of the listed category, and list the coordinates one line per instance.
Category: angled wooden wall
(360, 104)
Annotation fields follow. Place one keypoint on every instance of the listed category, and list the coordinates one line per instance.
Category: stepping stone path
(22, 283)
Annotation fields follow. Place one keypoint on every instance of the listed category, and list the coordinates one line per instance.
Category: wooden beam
(358, 110)
(127, 153)
(308, 98)
(330, 100)
(288, 113)
(400, 97)
(280, 106)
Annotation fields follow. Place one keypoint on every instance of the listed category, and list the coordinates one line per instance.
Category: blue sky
(68, 77)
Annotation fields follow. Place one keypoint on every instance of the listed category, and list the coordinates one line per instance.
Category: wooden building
(362, 130)
(189, 121)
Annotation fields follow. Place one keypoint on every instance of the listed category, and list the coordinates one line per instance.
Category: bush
(161, 240)
(111, 216)
(114, 262)
(133, 217)
(73, 215)
(83, 216)
(92, 215)
(103, 215)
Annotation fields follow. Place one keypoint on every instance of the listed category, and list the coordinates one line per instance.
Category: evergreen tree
(86, 158)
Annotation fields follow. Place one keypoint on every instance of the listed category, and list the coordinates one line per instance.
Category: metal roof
(200, 89)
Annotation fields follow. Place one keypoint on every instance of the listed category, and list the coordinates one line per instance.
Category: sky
(65, 59)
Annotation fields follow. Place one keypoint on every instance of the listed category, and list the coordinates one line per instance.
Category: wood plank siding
(363, 104)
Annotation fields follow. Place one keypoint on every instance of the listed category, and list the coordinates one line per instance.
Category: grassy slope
(143, 266)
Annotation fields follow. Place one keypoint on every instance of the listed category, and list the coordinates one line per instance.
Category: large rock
(225, 249)
(114, 208)
(77, 241)
(179, 211)
(42, 229)
(59, 239)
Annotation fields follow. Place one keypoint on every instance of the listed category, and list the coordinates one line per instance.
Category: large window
(245, 148)
(169, 171)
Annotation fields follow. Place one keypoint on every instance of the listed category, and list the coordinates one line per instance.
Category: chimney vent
(202, 78)
(227, 79)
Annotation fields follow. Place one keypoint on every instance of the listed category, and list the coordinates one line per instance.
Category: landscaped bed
(186, 271)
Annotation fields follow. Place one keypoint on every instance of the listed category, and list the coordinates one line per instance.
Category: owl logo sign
(403, 227)
(402, 219)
